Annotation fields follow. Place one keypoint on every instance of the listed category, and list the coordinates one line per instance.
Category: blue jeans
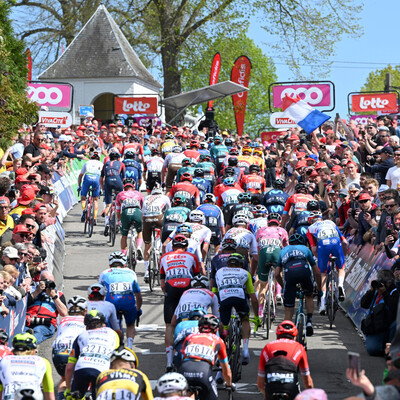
(42, 332)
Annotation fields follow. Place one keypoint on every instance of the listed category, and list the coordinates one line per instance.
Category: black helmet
(279, 184)
(229, 171)
(275, 218)
(129, 182)
(313, 205)
(3, 336)
(296, 238)
(114, 155)
(236, 258)
(254, 167)
(230, 243)
(180, 241)
(155, 152)
(208, 323)
(233, 161)
(301, 187)
(209, 198)
(199, 172)
(129, 154)
(94, 319)
(228, 142)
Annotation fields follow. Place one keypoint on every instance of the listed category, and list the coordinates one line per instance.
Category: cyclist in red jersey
(227, 192)
(193, 153)
(4, 349)
(177, 269)
(186, 189)
(200, 351)
(134, 146)
(253, 182)
(280, 361)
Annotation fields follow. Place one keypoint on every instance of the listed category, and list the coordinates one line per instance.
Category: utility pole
(388, 82)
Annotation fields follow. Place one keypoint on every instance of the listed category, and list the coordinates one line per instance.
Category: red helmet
(287, 328)
(186, 177)
(194, 143)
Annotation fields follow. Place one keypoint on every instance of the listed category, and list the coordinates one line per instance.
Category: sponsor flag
(240, 74)
(214, 74)
(29, 64)
(304, 115)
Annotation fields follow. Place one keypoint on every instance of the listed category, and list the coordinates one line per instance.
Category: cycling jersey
(218, 153)
(108, 310)
(119, 384)
(203, 185)
(272, 236)
(275, 201)
(167, 146)
(155, 205)
(173, 159)
(184, 329)
(136, 148)
(227, 195)
(129, 199)
(113, 169)
(176, 214)
(154, 164)
(244, 239)
(300, 224)
(182, 170)
(244, 163)
(133, 170)
(5, 351)
(91, 171)
(194, 155)
(68, 329)
(220, 261)
(214, 220)
(253, 184)
(256, 223)
(238, 175)
(242, 208)
(298, 202)
(188, 191)
(233, 282)
(209, 169)
(32, 370)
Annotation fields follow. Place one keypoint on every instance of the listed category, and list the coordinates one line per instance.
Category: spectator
(352, 175)
(393, 174)
(382, 165)
(26, 200)
(50, 199)
(386, 226)
(6, 222)
(33, 151)
(10, 256)
(366, 218)
(12, 289)
(21, 234)
(371, 187)
(4, 310)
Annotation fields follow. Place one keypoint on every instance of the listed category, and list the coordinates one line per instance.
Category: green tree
(15, 108)
(376, 79)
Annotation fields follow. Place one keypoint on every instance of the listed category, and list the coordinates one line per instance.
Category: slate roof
(100, 50)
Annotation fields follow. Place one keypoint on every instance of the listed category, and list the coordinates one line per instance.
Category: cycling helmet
(229, 171)
(24, 341)
(286, 328)
(234, 151)
(296, 238)
(274, 218)
(208, 324)
(240, 219)
(279, 184)
(196, 313)
(209, 198)
(177, 149)
(186, 161)
(253, 144)
(126, 354)
(114, 155)
(180, 241)
(155, 152)
(259, 210)
(77, 301)
(27, 391)
(203, 145)
(157, 189)
(244, 197)
(94, 318)
(194, 143)
(236, 259)
(246, 149)
(169, 136)
(129, 182)
(313, 205)
(197, 216)
(199, 172)
(313, 216)
(204, 157)
(184, 229)
(228, 142)
(186, 176)
(257, 152)
(233, 161)
(129, 154)
(229, 181)
(95, 156)
(117, 257)
(255, 168)
(200, 281)
(96, 288)
(3, 336)
(229, 243)
(171, 382)
(218, 140)
(178, 200)
(301, 187)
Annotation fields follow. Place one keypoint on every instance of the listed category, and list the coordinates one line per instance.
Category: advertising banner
(50, 95)
(136, 105)
(316, 95)
(240, 74)
(53, 119)
(214, 74)
(362, 119)
(374, 102)
(278, 120)
(271, 137)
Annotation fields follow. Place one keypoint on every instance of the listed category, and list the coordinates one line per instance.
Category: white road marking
(257, 353)
(147, 352)
(150, 327)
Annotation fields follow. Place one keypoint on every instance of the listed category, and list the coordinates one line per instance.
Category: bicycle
(209, 257)
(332, 291)
(112, 221)
(155, 255)
(234, 340)
(89, 214)
(269, 303)
(120, 315)
(300, 319)
(132, 236)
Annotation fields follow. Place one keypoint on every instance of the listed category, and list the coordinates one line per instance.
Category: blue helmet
(229, 181)
(184, 228)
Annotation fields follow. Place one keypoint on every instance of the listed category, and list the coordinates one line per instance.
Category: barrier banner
(14, 322)
(214, 73)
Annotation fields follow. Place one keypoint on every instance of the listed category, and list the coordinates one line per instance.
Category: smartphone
(354, 361)
(1, 292)
(37, 259)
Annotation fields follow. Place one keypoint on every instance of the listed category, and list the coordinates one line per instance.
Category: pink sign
(50, 94)
(362, 119)
(316, 95)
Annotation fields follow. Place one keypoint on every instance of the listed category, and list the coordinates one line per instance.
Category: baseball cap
(44, 190)
(4, 200)
(20, 179)
(383, 128)
(39, 206)
(21, 229)
(11, 252)
(63, 138)
(344, 192)
(300, 154)
(364, 196)
(354, 186)
(347, 144)
(28, 211)
(27, 196)
(373, 125)
(387, 150)
(30, 186)
(44, 168)
(320, 165)
(383, 188)
(301, 164)
(21, 171)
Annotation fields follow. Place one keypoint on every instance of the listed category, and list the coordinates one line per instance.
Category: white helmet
(171, 382)
(204, 145)
(157, 190)
(240, 218)
(197, 216)
(117, 257)
(77, 301)
(200, 281)
(96, 288)
(27, 391)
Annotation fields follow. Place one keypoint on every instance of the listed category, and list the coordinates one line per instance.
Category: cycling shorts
(111, 183)
(129, 311)
(82, 379)
(152, 179)
(325, 250)
(171, 173)
(199, 373)
(293, 276)
(150, 223)
(60, 361)
(129, 216)
(167, 229)
(267, 256)
(178, 354)
(225, 308)
(216, 237)
(91, 182)
(171, 301)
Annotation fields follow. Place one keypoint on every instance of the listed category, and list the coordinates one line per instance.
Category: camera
(377, 284)
(50, 284)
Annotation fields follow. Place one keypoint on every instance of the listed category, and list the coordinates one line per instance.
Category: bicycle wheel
(151, 271)
(113, 228)
(85, 226)
(132, 250)
(236, 361)
(90, 217)
(329, 300)
(300, 338)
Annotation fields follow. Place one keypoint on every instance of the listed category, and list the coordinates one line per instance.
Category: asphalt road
(327, 349)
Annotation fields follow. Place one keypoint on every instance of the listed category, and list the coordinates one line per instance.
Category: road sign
(84, 110)
(278, 120)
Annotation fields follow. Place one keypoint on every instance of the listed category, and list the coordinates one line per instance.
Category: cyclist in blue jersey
(186, 167)
(214, 219)
(298, 263)
(325, 239)
(244, 206)
(123, 291)
(275, 199)
(133, 169)
(260, 218)
(300, 224)
(218, 152)
(174, 216)
(201, 183)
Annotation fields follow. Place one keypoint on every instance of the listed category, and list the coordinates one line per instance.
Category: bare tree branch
(33, 31)
(42, 6)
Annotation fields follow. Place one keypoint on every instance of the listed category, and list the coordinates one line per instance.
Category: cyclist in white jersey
(25, 368)
(152, 170)
(172, 162)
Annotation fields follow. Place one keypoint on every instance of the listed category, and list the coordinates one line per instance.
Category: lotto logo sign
(316, 95)
(373, 102)
(136, 105)
(50, 95)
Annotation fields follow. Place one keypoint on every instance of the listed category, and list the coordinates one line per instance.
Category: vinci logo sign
(50, 94)
(316, 95)
(373, 102)
(136, 105)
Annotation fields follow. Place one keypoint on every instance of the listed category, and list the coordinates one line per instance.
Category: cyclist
(90, 173)
(325, 239)
(129, 204)
(259, 220)
(199, 355)
(193, 151)
(123, 291)
(227, 194)
(279, 363)
(233, 284)
(172, 163)
(96, 301)
(203, 149)
(300, 224)
(25, 367)
(187, 190)
(168, 146)
(111, 179)
(68, 329)
(90, 355)
(4, 349)
(133, 169)
(208, 167)
(254, 182)
(177, 269)
(271, 240)
(214, 219)
(246, 159)
(298, 263)
(123, 380)
(201, 183)
(259, 158)
(244, 206)
(153, 210)
(218, 153)
(174, 216)
(172, 385)
(275, 199)
(152, 170)
(186, 167)
(135, 147)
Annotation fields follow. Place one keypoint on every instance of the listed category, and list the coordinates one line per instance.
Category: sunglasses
(363, 201)
(342, 195)
(390, 205)
(40, 140)
(29, 226)
(384, 135)
(26, 235)
(23, 254)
